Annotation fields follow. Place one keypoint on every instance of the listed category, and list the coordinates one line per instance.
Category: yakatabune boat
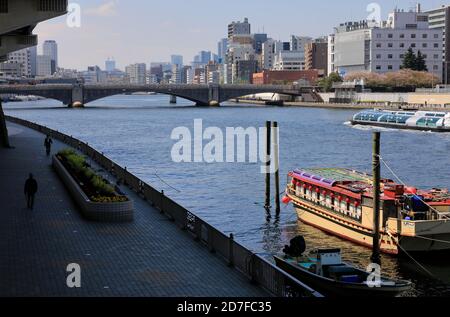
(418, 120)
(339, 201)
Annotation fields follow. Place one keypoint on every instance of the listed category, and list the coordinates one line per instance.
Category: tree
(421, 64)
(326, 83)
(403, 80)
(414, 62)
(410, 60)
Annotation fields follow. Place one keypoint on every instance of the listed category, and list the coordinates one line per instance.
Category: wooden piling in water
(276, 158)
(376, 198)
(268, 162)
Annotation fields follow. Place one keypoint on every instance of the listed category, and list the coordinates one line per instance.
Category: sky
(144, 31)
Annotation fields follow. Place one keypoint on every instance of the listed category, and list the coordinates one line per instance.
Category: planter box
(102, 212)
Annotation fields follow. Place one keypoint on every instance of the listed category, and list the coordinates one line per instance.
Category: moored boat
(412, 120)
(327, 274)
(340, 202)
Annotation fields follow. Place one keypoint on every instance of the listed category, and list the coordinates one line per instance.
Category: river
(135, 132)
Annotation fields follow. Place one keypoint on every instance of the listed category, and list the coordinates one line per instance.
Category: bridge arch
(198, 95)
(63, 94)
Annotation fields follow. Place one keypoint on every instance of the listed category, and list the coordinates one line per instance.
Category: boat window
(389, 209)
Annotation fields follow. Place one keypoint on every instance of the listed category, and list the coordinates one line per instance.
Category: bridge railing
(257, 269)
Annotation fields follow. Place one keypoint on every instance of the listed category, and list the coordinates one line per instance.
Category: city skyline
(175, 33)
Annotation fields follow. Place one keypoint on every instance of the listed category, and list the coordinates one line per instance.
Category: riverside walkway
(148, 257)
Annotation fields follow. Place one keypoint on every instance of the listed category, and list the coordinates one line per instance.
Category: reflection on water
(135, 131)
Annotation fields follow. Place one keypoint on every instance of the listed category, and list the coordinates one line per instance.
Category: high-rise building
(44, 66)
(298, 43)
(201, 59)
(176, 74)
(156, 72)
(26, 58)
(137, 73)
(236, 52)
(222, 48)
(270, 49)
(33, 60)
(176, 60)
(258, 40)
(50, 48)
(110, 65)
(316, 55)
(238, 28)
(94, 75)
(439, 19)
(360, 46)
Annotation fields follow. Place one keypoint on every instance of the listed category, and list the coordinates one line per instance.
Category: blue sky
(151, 30)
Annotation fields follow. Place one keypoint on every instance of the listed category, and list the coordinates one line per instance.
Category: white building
(10, 70)
(44, 66)
(110, 65)
(50, 48)
(270, 49)
(236, 52)
(360, 46)
(439, 19)
(176, 74)
(26, 58)
(289, 60)
(137, 73)
(94, 75)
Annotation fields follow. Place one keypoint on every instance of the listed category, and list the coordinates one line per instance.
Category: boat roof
(354, 183)
(332, 176)
(342, 180)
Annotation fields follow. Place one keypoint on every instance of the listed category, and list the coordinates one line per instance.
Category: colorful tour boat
(340, 202)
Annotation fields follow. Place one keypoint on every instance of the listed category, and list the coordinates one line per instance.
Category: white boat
(413, 120)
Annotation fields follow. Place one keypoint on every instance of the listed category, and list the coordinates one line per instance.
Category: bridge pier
(212, 103)
(173, 99)
(76, 104)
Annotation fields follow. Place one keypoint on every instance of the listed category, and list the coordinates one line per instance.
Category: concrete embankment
(355, 106)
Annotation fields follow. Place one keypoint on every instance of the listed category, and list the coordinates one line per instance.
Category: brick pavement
(148, 257)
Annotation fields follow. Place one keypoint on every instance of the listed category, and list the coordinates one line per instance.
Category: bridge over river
(202, 95)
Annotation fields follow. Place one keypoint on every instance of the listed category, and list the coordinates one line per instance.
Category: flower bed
(96, 196)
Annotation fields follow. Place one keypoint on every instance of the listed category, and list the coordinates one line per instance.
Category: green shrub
(78, 164)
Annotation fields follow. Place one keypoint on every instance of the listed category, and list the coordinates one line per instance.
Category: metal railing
(256, 268)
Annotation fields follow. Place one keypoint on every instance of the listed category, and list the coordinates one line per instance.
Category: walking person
(30, 190)
(48, 145)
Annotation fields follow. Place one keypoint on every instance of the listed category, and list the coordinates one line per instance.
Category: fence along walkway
(257, 269)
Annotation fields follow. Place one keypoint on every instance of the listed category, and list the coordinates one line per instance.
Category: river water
(135, 132)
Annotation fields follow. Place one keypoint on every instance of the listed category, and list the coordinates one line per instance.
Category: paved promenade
(148, 257)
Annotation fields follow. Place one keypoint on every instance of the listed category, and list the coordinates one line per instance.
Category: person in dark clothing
(30, 190)
(48, 144)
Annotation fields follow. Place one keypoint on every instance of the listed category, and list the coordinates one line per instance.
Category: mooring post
(376, 199)
(162, 201)
(268, 153)
(230, 251)
(276, 158)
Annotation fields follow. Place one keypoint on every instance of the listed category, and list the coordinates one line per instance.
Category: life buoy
(286, 200)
